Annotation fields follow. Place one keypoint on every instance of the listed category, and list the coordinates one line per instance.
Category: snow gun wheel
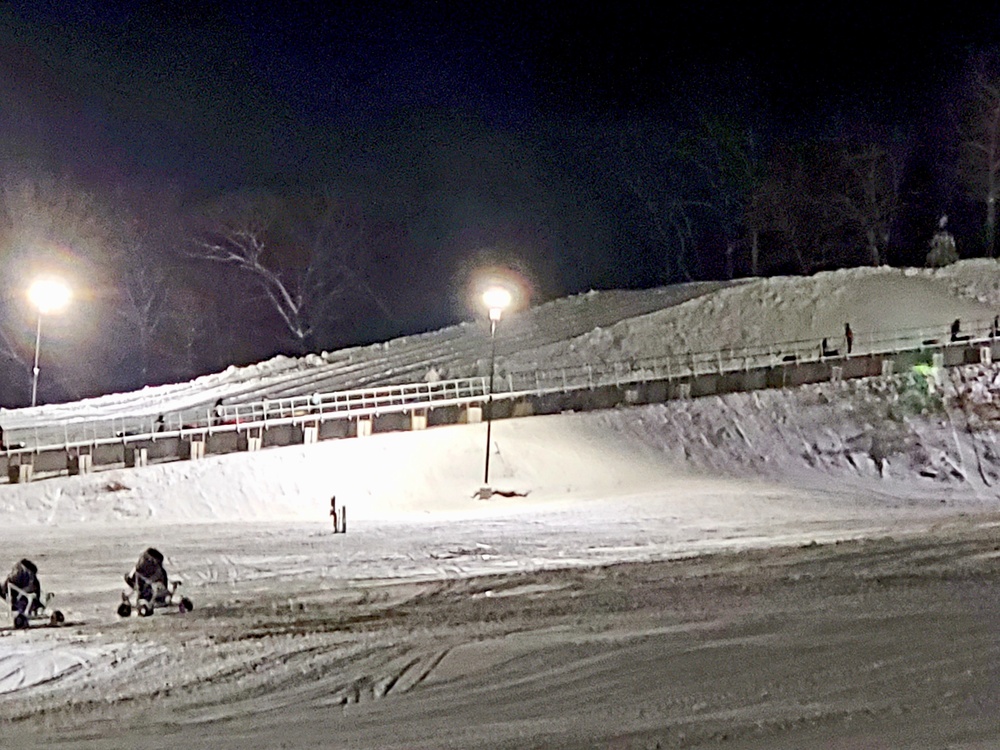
(186, 605)
(124, 609)
(145, 609)
(57, 619)
(20, 621)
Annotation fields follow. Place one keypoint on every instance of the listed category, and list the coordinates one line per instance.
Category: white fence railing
(87, 432)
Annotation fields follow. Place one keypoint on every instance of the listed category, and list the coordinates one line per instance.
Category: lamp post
(497, 299)
(47, 295)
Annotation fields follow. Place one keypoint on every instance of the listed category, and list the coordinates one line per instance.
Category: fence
(86, 433)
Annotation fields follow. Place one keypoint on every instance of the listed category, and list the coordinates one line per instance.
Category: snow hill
(600, 327)
(883, 437)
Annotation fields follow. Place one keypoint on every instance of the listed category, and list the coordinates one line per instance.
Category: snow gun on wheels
(149, 585)
(23, 593)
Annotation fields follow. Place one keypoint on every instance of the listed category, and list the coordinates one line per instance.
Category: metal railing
(354, 403)
(92, 432)
(318, 407)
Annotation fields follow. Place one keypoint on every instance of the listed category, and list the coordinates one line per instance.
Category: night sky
(501, 122)
(240, 92)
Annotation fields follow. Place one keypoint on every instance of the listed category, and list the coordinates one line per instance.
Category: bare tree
(55, 225)
(671, 217)
(334, 235)
(725, 153)
(816, 206)
(979, 165)
(237, 231)
(308, 254)
(649, 166)
(755, 218)
(869, 195)
(145, 293)
(781, 205)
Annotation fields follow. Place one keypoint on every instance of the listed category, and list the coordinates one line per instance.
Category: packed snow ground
(807, 568)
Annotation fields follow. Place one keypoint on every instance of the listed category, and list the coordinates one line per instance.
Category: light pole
(47, 295)
(497, 299)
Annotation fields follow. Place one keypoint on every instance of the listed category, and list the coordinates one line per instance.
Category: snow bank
(31, 662)
(845, 432)
(858, 436)
(548, 459)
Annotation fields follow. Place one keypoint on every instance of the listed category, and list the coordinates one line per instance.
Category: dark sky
(244, 88)
(217, 96)
(471, 132)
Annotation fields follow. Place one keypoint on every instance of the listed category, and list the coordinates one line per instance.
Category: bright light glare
(49, 295)
(497, 299)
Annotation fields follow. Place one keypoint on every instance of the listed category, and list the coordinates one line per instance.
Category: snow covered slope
(443, 620)
(611, 326)
(805, 436)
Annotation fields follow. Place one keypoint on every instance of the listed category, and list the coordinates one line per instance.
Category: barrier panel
(20, 473)
(136, 457)
(82, 463)
(195, 448)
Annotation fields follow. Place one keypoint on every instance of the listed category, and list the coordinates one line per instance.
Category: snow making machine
(151, 595)
(27, 607)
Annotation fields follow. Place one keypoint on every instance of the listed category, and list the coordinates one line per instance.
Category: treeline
(380, 231)
(384, 238)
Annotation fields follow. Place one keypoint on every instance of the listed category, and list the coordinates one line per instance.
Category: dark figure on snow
(956, 326)
(848, 337)
(827, 351)
(995, 328)
(24, 576)
(149, 577)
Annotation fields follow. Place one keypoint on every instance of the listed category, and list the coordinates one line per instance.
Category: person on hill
(848, 337)
(956, 331)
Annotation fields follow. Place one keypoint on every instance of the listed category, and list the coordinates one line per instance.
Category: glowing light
(497, 299)
(49, 295)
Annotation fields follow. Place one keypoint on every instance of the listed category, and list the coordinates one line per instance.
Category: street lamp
(497, 299)
(47, 295)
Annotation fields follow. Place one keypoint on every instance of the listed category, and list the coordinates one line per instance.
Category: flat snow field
(630, 622)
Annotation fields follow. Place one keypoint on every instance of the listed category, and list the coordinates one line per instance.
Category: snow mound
(25, 665)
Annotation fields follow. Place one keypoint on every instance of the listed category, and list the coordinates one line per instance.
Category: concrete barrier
(195, 448)
(79, 463)
(20, 473)
(136, 457)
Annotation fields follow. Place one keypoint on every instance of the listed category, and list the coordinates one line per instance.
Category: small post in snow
(339, 518)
